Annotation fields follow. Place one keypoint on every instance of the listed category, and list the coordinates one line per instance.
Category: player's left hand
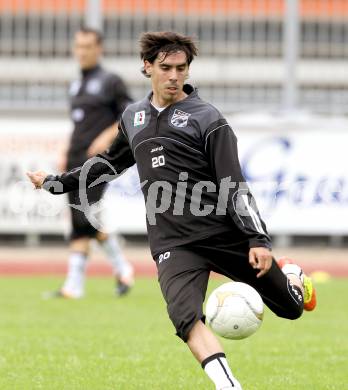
(260, 258)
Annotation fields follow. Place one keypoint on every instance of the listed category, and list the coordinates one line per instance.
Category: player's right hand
(260, 258)
(37, 178)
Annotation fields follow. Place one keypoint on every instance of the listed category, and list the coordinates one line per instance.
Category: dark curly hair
(153, 43)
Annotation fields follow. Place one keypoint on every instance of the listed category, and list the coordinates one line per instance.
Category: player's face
(87, 50)
(168, 75)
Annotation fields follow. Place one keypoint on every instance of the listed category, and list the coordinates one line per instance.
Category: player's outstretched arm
(56, 184)
(97, 170)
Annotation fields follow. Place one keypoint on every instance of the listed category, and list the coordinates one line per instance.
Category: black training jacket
(186, 157)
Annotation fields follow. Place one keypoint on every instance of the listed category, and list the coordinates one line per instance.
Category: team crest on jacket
(139, 118)
(93, 86)
(179, 118)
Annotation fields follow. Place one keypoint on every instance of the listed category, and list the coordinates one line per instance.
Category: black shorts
(183, 274)
(80, 225)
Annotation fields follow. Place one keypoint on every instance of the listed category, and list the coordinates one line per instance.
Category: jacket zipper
(157, 124)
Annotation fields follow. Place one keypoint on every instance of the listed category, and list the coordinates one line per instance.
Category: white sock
(75, 280)
(293, 269)
(218, 370)
(121, 267)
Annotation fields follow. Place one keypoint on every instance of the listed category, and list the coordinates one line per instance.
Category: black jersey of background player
(188, 144)
(97, 101)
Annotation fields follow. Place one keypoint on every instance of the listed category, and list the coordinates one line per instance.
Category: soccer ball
(234, 310)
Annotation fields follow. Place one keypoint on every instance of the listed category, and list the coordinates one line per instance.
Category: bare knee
(80, 245)
(101, 237)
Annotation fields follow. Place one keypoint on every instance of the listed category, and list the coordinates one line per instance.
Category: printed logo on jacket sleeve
(139, 118)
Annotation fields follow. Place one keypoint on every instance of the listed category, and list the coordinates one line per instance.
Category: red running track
(143, 268)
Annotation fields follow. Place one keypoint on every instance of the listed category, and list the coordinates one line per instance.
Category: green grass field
(102, 342)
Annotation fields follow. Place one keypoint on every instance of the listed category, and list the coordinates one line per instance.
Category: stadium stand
(241, 45)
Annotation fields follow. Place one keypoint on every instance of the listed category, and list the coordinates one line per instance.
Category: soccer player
(97, 101)
(201, 216)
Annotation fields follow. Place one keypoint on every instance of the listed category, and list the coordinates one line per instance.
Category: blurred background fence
(247, 37)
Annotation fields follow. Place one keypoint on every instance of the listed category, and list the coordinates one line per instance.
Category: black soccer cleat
(122, 288)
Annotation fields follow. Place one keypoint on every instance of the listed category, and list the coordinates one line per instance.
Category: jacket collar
(87, 72)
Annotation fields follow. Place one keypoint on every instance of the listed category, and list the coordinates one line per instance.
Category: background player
(97, 101)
